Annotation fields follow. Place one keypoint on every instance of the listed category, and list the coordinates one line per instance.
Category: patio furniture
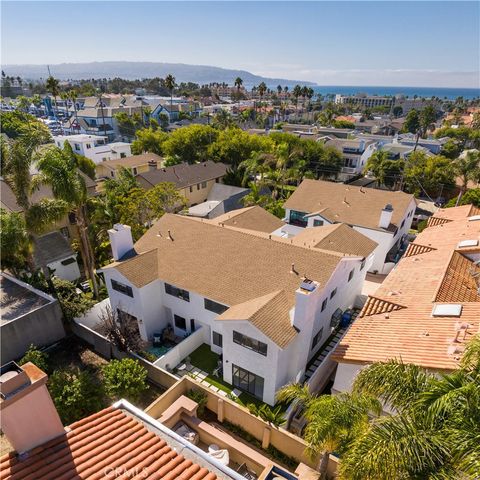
(186, 433)
(245, 472)
(219, 454)
(157, 339)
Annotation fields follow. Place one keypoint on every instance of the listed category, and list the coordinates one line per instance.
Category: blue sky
(342, 43)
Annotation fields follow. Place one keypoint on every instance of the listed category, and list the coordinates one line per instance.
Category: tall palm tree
(279, 90)
(434, 430)
(297, 92)
(52, 86)
(262, 88)
(170, 85)
(59, 170)
(333, 421)
(73, 96)
(238, 83)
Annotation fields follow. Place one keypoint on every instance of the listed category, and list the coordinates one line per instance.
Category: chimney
(28, 415)
(152, 165)
(386, 216)
(120, 240)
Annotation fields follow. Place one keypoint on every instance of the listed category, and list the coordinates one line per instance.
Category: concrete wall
(69, 272)
(40, 327)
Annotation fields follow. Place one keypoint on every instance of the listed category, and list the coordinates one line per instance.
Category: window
(123, 155)
(198, 186)
(64, 231)
(135, 171)
(324, 304)
(68, 261)
(120, 287)
(317, 338)
(334, 292)
(177, 292)
(72, 218)
(298, 218)
(214, 306)
(247, 381)
(112, 174)
(362, 265)
(217, 339)
(402, 224)
(180, 322)
(250, 343)
(350, 275)
(191, 189)
(77, 146)
(192, 325)
(317, 223)
(88, 146)
(204, 184)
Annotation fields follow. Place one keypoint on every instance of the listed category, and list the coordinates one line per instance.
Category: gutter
(124, 404)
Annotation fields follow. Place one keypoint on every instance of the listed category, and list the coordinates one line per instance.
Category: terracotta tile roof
(250, 218)
(461, 281)
(416, 249)
(444, 274)
(108, 440)
(338, 237)
(348, 204)
(225, 264)
(270, 314)
(433, 221)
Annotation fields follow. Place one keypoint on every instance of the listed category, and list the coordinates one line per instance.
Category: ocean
(426, 92)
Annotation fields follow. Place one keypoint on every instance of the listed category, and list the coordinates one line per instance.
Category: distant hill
(200, 74)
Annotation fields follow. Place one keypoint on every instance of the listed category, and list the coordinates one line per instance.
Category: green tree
(15, 241)
(149, 140)
(412, 122)
(223, 120)
(427, 119)
(190, 144)
(387, 172)
(124, 378)
(37, 357)
(23, 103)
(59, 170)
(467, 168)
(16, 124)
(75, 393)
(84, 164)
(333, 421)
(397, 111)
(170, 86)
(434, 430)
(72, 303)
(471, 196)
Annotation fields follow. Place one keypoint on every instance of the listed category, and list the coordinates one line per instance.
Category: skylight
(467, 243)
(474, 218)
(447, 310)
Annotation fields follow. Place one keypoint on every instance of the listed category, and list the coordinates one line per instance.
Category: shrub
(75, 393)
(201, 398)
(125, 378)
(37, 357)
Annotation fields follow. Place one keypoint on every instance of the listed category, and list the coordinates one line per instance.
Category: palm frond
(42, 215)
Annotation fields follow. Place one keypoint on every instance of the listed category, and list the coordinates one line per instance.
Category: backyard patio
(202, 365)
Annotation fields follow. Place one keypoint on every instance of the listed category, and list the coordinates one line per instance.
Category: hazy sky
(331, 43)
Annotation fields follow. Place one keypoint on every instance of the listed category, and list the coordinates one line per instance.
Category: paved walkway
(201, 377)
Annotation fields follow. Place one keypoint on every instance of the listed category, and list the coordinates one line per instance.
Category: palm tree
(279, 90)
(170, 85)
(434, 430)
(72, 95)
(262, 88)
(467, 168)
(333, 421)
(297, 91)
(59, 170)
(52, 86)
(238, 83)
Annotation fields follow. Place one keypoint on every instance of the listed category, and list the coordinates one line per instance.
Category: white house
(427, 308)
(95, 147)
(383, 216)
(265, 303)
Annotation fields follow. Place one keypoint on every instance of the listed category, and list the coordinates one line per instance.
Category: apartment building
(193, 181)
(368, 101)
(355, 154)
(383, 216)
(428, 307)
(263, 302)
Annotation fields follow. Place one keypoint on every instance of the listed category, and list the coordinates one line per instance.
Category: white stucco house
(428, 307)
(263, 302)
(95, 147)
(383, 216)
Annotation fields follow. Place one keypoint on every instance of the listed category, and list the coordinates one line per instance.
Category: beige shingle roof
(269, 313)
(133, 161)
(398, 322)
(338, 237)
(250, 218)
(224, 264)
(348, 204)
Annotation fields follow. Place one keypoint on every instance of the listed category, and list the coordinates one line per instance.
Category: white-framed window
(350, 275)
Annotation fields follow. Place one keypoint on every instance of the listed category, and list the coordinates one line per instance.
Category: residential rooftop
(133, 161)
(337, 202)
(249, 218)
(183, 174)
(428, 307)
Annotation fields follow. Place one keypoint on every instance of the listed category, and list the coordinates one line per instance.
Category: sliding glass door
(247, 381)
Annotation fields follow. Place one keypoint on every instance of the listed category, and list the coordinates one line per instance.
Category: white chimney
(120, 240)
(386, 216)
(28, 415)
